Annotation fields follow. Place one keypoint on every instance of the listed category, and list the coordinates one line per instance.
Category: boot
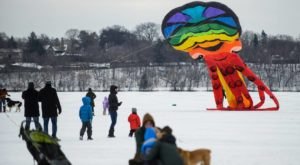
(111, 133)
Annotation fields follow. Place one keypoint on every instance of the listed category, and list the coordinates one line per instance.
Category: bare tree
(83, 80)
(147, 31)
(72, 35)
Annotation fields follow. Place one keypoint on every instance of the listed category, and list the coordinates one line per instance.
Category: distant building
(56, 50)
(13, 55)
(59, 51)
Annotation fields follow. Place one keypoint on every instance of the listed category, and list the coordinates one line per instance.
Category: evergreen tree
(255, 41)
(264, 38)
(34, 45)
(11, 43)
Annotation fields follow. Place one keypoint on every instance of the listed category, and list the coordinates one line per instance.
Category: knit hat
(30, 85)
(147, 117)
(167, 129)
(134, 110)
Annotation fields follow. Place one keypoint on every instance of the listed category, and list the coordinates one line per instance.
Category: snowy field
(235, 138)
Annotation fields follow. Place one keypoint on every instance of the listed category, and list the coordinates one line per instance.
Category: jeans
(113, 117)
(35, 120)
(54, 125)
(2, 104)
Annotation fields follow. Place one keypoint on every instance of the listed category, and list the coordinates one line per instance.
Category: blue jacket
(85, 112)
(150, 140)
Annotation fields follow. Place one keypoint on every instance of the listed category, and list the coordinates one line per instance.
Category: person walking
(50, 104)
(86, 116)
(134, 121)
(92, 96)
(31, 106)
(113, 107)
(105, 105)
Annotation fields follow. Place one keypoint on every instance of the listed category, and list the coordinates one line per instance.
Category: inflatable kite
(212, 31)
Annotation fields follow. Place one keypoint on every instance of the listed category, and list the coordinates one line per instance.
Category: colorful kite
(212, 31)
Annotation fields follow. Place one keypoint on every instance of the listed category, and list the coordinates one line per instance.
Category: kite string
(135, 52)
(142, 49)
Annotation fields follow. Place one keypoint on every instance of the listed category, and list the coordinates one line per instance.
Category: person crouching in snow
(150, 140)
(134, 121)
(165, 150)
(86, 116)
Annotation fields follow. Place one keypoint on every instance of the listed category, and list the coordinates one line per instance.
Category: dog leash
(10, 119)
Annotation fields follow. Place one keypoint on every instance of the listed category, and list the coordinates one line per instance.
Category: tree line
(140, 60)
(143, 45)
(178, 77)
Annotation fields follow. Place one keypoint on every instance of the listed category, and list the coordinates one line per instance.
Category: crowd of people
(50, 107)
(154, 145)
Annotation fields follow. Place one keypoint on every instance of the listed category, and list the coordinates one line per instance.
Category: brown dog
(196, 157)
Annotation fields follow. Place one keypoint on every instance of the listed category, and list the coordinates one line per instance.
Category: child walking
(134, 121)
(86, 116)
(105, 105)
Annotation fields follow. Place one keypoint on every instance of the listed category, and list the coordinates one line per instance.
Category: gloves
(120, 103)
(59, 111)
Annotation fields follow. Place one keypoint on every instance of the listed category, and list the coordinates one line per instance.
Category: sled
(44, 148)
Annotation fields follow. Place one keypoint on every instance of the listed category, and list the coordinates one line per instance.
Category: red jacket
(134, 121)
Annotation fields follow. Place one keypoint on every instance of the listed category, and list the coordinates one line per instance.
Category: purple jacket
(105, 103)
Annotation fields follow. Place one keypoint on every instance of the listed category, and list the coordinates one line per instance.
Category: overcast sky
(55, 17)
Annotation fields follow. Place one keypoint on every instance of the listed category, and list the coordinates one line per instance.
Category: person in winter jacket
(86, 116)
(50, 107)
(149, 141)
(92, 96)
(134, 121)
(167, 135)
(105, 105)
(148, 121)
(3, 94)
(31, 106)
(165, 150)
(113, 107)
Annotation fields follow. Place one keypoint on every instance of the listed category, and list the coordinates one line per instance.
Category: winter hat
(30, 85)
(147, 117)
(113, 88)
(134, 110)
(167, 130)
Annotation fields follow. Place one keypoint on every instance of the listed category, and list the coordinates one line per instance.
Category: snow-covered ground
(235, 138)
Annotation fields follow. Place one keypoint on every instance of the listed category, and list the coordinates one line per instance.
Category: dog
(196, 157)
(11, 103)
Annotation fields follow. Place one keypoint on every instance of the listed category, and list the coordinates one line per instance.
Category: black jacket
(113, 99)
(50, 101)
(31, 105)
(92, 96)
(166, 153)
